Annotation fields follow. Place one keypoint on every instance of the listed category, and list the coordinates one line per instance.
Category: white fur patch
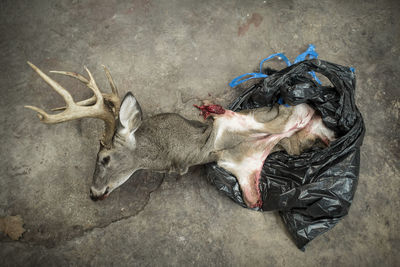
(251, 164)
(301, 116)
(130, 113)
(128, 110)
(245, 168)
(130, 118)
(235, 122)
(125, 137)
(318, 127)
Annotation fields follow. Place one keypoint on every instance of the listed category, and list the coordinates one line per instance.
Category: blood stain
(254, 19)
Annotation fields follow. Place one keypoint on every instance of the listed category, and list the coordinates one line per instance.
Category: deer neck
(168, 142)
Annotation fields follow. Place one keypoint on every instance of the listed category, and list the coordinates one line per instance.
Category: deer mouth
(106, 193)
(102, 197)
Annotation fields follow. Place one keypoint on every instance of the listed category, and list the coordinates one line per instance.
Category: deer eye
(105, 160)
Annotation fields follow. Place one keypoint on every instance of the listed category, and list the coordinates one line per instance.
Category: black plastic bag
(314, 190)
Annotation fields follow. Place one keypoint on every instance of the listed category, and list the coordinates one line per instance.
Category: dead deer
(167, 142)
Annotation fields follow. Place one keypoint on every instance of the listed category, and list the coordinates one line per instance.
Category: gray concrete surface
(171, 54)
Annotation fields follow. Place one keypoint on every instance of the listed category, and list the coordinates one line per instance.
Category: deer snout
(96, 194)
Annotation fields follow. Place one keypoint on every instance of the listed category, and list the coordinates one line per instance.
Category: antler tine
(41, 113)
(86, 102)
(56, 86)
(74, 111)
(81, 78)
(111, 81)
(92, 85)
(114, 97)
(72, 74)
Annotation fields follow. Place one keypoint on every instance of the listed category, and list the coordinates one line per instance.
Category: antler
(100, 106)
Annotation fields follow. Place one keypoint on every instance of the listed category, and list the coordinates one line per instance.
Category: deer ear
(130, 113)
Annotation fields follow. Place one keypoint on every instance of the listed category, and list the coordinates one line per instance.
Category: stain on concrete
(55, 229)
(190, 47)
(255, 19)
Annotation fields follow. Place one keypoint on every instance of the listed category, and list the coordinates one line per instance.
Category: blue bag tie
(253, 75)
(310, 53)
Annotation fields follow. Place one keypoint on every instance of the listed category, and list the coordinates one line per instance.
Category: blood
(207, 110)
(259, 145)
(103, 197)
(255, 19)
(259, 202)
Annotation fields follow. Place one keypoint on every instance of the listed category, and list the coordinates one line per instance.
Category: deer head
(114, 160)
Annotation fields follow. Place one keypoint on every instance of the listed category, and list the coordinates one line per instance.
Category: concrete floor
(171, 54)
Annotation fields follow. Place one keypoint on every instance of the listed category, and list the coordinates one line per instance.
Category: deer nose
(98, 195)
(92, 196)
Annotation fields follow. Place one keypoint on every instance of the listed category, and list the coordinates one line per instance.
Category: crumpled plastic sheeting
(312, 191)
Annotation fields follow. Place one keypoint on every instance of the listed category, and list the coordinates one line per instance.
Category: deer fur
(167, 142)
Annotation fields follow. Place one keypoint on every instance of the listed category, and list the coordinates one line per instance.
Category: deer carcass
(167, 142)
